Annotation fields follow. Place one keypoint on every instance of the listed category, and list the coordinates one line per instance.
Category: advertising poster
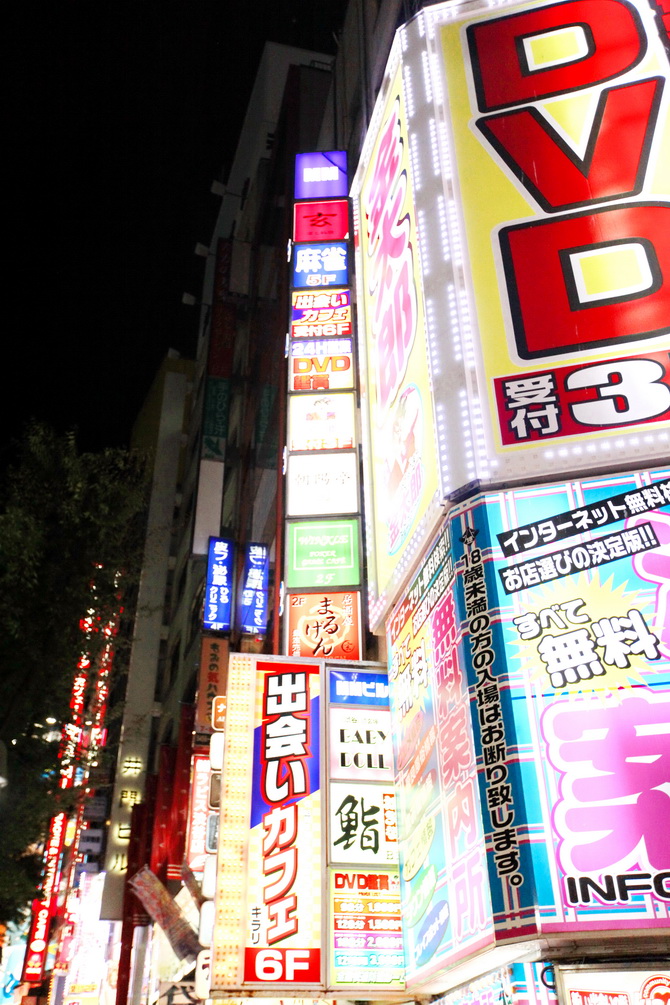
(402, 454)
(560, 127)
(443, 874)
(565, 591)
(284, 855)
(325, 624)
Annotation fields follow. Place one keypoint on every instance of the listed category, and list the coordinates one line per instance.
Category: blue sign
(252, 612)
(354, 687)
(218, 585)
(319, 265)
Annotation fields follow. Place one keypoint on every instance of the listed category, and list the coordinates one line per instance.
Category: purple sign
(321, 175)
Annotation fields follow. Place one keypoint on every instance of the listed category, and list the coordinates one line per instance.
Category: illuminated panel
(443, 869)
(252, 611)
(268, 905)
(320, 264)
(543, 253)
(230, 923)
(285, 858)
(558, 136)
(360, 744)
(211, 679)
(324, 624)
(576, 657)
(367, 945)
(218, 603)
(198, 811)
(321, 221)
(400, 448)
(321, 422)
(326, 365)
(45, 907)
(322, 553)
(322, 483)
(320, 313)
(321, 175)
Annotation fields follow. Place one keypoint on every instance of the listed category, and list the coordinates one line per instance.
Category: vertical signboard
(570, 698)
(218, 605)
(402, 467)
(367, 947)
(268, 930)
(444, 884)
(322, 441)
(211, 679)
(252, 611)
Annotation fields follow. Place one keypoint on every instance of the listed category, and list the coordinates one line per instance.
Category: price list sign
(367, 944)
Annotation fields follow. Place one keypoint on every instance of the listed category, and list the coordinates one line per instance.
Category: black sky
(121, 115)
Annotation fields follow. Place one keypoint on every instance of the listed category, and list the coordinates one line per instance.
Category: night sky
(121, 115)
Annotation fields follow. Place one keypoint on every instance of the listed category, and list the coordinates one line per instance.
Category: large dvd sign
(537, 221)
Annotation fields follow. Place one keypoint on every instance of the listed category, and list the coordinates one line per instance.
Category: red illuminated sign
(321, 221)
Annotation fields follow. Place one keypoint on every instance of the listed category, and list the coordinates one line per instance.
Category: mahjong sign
(560, 126)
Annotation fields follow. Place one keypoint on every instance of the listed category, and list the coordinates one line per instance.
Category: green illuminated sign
(322, 553)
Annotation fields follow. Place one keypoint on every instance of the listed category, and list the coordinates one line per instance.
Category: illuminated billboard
(211, 679)
(320, 264)
(321, 175)
(321, 221)
(541, 249)
(401, 448)
(252, 607)
(558, 645)
(321, 313)
(218, 604)
(198, 813)
(443, 871)
(367, 929)
(314, 366)
(324, 624)
(268, 928)
(322, 483)
(533, 753)
(321, 421)
(322, 553)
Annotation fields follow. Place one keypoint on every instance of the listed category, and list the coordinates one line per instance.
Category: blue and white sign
(355, 687)
(252, 612)
(318, 265)
(218, 585)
